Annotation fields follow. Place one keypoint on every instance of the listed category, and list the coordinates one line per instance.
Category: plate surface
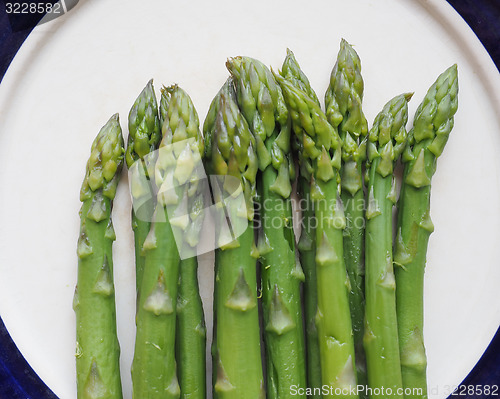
(76, 71)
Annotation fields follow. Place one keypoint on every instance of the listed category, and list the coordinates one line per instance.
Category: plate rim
(19, 380)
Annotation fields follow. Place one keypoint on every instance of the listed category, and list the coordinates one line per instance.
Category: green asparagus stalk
(191, 333)
(343, 109)
(208, 135)
(307, 242)
(236, 348)
(154, 372)
(431, 127)
(191, 330)
(144, 138)
(386, 141)
(321, 145)
(262, 104)
(97, 347)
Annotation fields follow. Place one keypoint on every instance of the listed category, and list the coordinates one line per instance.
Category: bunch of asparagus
(340, 312)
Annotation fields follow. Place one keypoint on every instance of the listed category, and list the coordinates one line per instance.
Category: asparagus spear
(97, 347)
(154, 368)
(321, 145)
(386, 141)
(262, 104)
(144, 138)
(236, 349)
(208, 135)
(191, 331)
(307, 242)
(343, 109)
(431, 128)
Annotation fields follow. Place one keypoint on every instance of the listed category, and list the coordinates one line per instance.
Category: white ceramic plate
(76, 71)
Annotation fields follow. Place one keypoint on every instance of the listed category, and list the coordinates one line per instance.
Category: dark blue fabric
(483, 16)
(19, 381)
(486, 372)
(14, 28)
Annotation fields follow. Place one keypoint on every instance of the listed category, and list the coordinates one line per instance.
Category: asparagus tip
(169, 89)
(233, 64)
(408, 96)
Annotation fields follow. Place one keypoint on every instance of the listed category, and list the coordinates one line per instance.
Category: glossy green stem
(191, 333)
(154, 366)
(354, 243)
(307, 250)
(381, 336)
(237, 348)
(333, 319)
(281, 296)
(414, 229)
(98, 350)
(141, 227)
